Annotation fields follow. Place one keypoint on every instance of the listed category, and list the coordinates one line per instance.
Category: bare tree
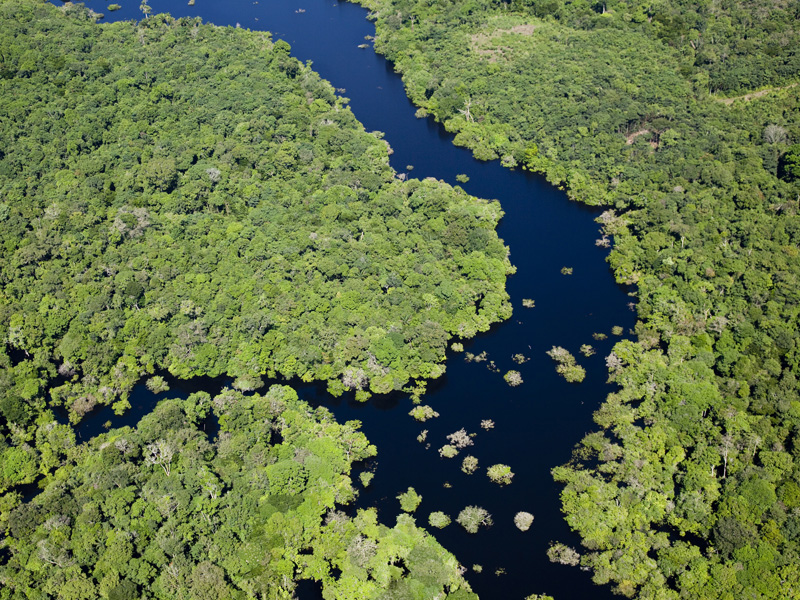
(466, 110)
(160, 453)
(774, 134)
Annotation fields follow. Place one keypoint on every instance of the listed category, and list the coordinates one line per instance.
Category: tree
(500, 473)
(513, 378)
(563, 554)
(438, 519)
(409, 500)
(469, 465)
(790, 164)
(523, 520)
(160, 453)
(472, 518)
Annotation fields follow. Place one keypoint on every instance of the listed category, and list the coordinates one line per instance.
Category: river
(537, 423)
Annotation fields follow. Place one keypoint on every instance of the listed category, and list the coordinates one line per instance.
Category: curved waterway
(537, 423)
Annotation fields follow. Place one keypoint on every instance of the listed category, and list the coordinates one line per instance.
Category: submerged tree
(469, 465)
(473, 517)
(439, 520)
(567, 367)
(513, 378)
(500, 473)
(523, 520)
(409, 500)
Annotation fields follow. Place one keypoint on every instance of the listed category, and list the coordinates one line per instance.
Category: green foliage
(225, 523)
(448, 451)
(567, 367)
(439, 520)
(409, 500)
(473, 517)
(513, 378)
(469, 465)
(187, 198)
(423, 413)
(500, 474)
(683, 119)
(790, 163)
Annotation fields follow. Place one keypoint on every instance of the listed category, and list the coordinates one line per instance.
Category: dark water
(536, 424)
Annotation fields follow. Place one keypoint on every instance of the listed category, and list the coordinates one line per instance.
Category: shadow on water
(535, 424)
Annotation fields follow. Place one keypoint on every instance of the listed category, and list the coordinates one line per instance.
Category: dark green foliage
(222, 524)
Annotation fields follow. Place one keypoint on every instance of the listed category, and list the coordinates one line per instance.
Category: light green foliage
(473, 517)
(187, 198)
(616, 330)
(567, 367)
(423, 412)
(469, 465)
(157, 384)
(112, 526)
(409, 500)
(500, 474)
(513, 378)
(439, 520)
(457, 347)
(566, 270)
(587, 350)
(366, 478)
(461, 178)
(448, 451)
